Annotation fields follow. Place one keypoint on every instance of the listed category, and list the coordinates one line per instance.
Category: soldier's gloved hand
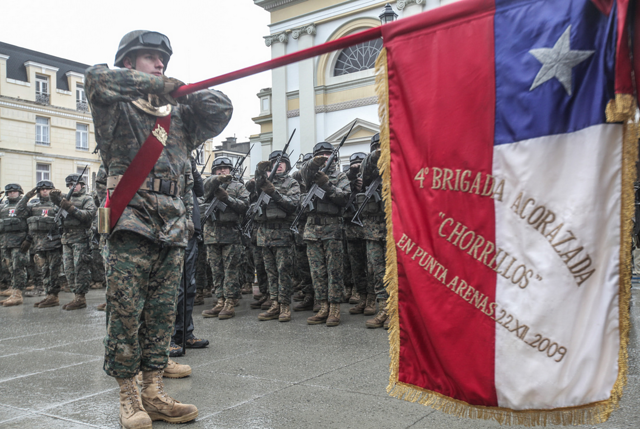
(67, 206)
(358, 184)
(221, 194)
(56, 196)
(251, 185)
(170, 85)
(263, 166)
(26, 244)
(317, 162)
(190, 228)
(268, 188)
(31, 193)
(224, 178)
(375, 156)
(321, 179)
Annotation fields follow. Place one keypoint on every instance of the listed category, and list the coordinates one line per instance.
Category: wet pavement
(253, 375)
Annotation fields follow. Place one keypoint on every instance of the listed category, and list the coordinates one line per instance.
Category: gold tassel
(622, 109)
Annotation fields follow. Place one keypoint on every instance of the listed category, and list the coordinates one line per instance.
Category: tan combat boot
(78, 302)
(50, 301)
(247, 289)
(176, 370)
(215, 311)
(228, 310)
(272, 313)
(161, 406)
(322, 314)
(102, 307)
(334, 315)
(381, 317)
(199, 299)
(258, 304)
(285, 313)
(267, 304)
(360, 306)
(305, 305)
(355, 297)
(370, 307)
(132, 414)
(6, 292)
(14, 299)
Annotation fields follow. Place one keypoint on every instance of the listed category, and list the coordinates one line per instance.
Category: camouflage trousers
(224, 260)
(97, 265)
(249, 267)
(76, 258)
(142, 289)
(17, 263)
(357, 254)
(278, 262)
(204, 278)
(302, 270)
(261, 272)
(347, 278)
(376, 266)
(325, 261)
(48, 263)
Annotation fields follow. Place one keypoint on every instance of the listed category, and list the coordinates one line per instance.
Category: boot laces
(131, 392)
(157, 378)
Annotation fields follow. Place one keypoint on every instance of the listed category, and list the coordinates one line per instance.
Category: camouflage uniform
(222, 237)
(323, 234)
(204, 278)
(356, 249)
(145, 251)
(14, 232)
(301, 261)
(97, 262)
(275, 237)
(47, 254)
(76, 255)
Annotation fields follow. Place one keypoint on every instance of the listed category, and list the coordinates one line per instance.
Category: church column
(306, 69)
(278, 44)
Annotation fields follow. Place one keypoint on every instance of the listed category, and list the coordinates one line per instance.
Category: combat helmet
(143, 39)
(45, 184)
(13, 187)
(71, 179)
(375, 141)
(357, 157)
(275, 154)
(307, 157)
(221, 161)
(322, 147)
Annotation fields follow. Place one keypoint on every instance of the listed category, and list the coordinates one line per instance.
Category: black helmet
(71, 179)
(143, 39)
(13, 187)
(357, 157)
(45, 184)
(221, 161)
(375, 141)
(307, 157)
(275, 154)
(322, 147)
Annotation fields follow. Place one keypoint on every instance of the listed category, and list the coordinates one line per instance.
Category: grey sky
(209, 38)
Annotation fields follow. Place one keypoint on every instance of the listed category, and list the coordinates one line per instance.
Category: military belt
(160, 186)
(374, 218)
(324, 220)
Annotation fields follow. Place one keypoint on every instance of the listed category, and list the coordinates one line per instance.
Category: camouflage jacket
(303, 219)
(336, 197)
(14, 229)
(76, 227)
(351, 230)
(375, 227)
(225, 229)
(122, 128)
(39, 213)
(275, 221)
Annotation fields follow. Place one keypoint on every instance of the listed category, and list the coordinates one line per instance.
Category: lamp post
(388, 15)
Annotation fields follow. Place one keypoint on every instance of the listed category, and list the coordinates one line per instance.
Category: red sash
(139, 169)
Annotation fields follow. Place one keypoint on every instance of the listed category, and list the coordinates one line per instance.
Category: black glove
(31, 193)
(67, 206)
(251, 185)
(268, 188)
(358, 184)
(317, 162)
(263, 166)
(56, 196)
(221, 194)
(321, 179)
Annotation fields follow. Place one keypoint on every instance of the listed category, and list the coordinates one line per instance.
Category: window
(81, 99)
(42, 89)
(82, 136)
(357, 58)
(43, 172)
(42, 131)
(200, 157)
(85, 178)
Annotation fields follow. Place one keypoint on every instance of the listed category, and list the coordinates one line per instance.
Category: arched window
(357, 58)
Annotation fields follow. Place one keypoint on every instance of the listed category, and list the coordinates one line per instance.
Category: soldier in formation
(15, 246)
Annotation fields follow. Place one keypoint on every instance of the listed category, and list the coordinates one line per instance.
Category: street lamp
(388, 15)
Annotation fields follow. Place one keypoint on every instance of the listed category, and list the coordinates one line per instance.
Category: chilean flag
(506, 206)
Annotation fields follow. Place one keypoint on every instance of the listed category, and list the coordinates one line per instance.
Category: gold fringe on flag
(622, 109)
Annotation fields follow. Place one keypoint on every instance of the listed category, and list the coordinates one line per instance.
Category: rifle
(205, 165)
(372, 191)
(216, 204)
(315, 190)
(62, 212)
(264, 198)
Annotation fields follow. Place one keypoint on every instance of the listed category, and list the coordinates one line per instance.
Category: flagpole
(284, 60)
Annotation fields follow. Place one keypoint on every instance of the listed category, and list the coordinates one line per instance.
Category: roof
(18, 56)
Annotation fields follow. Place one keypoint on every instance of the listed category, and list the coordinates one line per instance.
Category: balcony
(42, 98)
(82, 106)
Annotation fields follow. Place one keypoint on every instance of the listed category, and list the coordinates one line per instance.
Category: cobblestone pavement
(253, 375)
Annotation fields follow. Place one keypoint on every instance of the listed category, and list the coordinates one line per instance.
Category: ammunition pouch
(273, 211)
(327, 208)
(227, 216)
(161, 186)
(372, 206)
(41, 223)
(313, 220)
(13, 224)
(71, 222)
